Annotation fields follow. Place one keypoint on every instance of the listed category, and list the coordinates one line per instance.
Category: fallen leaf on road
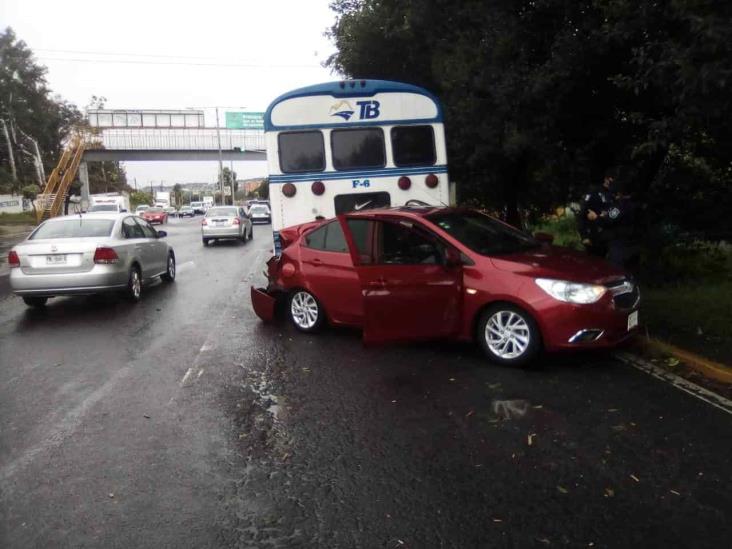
(146, 416)
(609, 492)
(612, 409)
(497, 520)
(538, 407)
(470, 413)
(111, 495)
(393, 401)
(452, 379)
(674, 492)
(494, 385)
(562, 489)
(530, 439)
(618, 428)
(673, 361)
(635, 478)
(544, 541)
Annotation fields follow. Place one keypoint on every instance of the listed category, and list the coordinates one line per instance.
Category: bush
(563, 227)
(687, 262)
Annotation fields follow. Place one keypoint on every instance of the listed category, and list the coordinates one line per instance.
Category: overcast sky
(162, 54)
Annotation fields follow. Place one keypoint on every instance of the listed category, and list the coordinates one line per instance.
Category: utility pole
(221, 160)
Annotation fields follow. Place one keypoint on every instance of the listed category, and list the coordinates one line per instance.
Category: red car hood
(558, 263)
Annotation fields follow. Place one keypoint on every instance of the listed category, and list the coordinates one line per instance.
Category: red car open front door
(410, 289)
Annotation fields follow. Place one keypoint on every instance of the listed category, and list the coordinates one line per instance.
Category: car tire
(169, 275)
(305, 311)
(205, 241)
(34, 301)
(508, 335)
(133, 292)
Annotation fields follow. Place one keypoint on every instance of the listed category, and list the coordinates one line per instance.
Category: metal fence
(202, 139)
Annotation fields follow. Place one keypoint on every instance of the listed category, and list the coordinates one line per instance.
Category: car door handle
(317, 262)
(378, 283)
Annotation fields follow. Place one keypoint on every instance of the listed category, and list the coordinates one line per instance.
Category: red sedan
(155, 215)
(418, 273)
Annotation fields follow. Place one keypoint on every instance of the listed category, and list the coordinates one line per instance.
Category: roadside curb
(708, 368)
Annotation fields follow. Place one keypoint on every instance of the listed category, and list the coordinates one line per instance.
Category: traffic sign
(245, 120)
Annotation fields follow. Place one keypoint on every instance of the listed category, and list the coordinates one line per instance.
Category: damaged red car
(406, 273)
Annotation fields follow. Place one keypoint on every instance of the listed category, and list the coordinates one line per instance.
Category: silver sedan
(226, 222)
(89, 254)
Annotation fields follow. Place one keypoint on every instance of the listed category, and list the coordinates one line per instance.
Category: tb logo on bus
(369, 109)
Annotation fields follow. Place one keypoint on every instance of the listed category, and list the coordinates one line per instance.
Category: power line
(181, 63)
(184, 59)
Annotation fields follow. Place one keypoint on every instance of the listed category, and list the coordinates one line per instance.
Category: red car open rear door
(409, 289)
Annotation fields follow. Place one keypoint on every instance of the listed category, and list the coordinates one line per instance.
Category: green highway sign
(245, 120)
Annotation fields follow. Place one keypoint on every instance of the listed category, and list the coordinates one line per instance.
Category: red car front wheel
(508, 335)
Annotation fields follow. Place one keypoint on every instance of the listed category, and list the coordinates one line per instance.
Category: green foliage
(683, 263)
(30, 110)
(542, 96)
(140, 197)
(30, 191)
(24, 218)
(563, 228)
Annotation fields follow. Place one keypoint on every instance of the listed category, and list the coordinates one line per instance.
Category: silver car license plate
(56, 259)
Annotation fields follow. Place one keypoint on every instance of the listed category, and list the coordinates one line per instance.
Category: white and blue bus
(343, 146)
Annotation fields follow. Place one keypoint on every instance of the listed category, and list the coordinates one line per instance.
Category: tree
(541, 96)
(32, 114)
(140, 197)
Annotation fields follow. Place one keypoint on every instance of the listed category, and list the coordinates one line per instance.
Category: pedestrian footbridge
(143, 136)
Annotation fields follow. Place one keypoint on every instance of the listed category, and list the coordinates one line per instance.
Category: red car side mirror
(544, 238)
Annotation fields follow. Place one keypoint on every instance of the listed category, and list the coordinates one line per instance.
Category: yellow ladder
(51, 201)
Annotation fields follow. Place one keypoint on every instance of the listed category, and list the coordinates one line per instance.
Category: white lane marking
(63, 430)
(186, 376)
(208, 344)
(718, 401)
(186, 265)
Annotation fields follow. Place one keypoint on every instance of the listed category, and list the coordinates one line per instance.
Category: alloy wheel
(304, 310)
(507, 334)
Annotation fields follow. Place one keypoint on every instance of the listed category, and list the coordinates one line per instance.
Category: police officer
(619, 227)
(590, 222)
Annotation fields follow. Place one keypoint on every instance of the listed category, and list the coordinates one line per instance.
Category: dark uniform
(598, 200)
(619, 228)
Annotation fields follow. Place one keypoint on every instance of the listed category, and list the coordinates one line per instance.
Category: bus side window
(413, 145)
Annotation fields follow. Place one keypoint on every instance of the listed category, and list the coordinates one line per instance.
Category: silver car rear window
(231, 212)
(74, 228)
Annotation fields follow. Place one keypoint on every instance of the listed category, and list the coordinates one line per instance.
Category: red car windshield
(483, 234)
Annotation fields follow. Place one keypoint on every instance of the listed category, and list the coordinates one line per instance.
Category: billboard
(124, 118)
(245, 120)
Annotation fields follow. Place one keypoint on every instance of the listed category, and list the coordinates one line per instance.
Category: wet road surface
(183, 421)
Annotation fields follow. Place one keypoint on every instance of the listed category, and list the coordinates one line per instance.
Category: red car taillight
(236, 221)
(13, 259)
(105, 255)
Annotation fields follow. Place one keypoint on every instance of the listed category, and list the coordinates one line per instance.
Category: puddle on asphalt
(510, 409)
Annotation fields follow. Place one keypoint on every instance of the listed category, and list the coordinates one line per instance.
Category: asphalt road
(183, 421)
